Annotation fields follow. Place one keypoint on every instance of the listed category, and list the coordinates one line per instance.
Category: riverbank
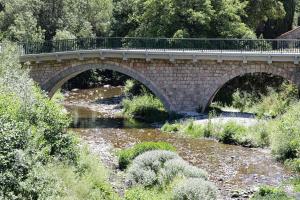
(237, 171)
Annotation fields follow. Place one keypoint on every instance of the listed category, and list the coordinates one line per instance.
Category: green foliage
(171, 128)
(296, 183)
(273, 10)
(160, 168)
(39, 159)
(62, 181)
(285, 138)
(147, 194)
(195, 188)
(294, 165)
(275, 103)
(204, 18)
(271, 104)
(86, 181)
(134, 88)
(194, 130)
(145, 108)
(257, 135)
(242, 100)
(270, 193)
(36, 20)
(127, 155)
(228, 19)
(231, 132)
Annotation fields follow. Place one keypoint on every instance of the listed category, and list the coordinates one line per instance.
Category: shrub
(243, 100)
(87, 181)
(293, 164)
(194, 189)
(145, 169)
(178, 167)
(194, 130)
(141, 193)
(231, 132)
(275, 102)
(134, 88)
(63, 181)
(126, 156)
(160, 168)
(167, 127)
(285, 134)
(145, 108)
(270, 193)
(257, 135)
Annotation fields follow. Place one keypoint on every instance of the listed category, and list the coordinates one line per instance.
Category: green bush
(134, 88)
(257, 135)
(58, 180)
(194, 130)
(140, 193)
(179, 168)
(231, 132)
(275, 102)
(285, 134)
(171, 128)
(194, 189)
(270, 193)
(127, 155)
(159, 168)
(243, 100)
(39, 159)
(293, 164)
(145, 108)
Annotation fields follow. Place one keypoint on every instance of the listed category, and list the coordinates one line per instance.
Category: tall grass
(145, 108)
(274, 103)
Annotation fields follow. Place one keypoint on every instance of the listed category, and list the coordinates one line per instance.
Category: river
(237, 171)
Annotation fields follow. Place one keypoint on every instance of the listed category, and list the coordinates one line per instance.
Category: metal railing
(163, 44)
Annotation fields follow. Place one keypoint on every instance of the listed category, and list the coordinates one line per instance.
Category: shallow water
(230, 167)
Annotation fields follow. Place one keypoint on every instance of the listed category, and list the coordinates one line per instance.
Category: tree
(163, 18)
(228, 22)
(275, 27)
(260, 11)
(36, 20)
(18, 22)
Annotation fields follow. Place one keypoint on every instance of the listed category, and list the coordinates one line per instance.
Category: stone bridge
(184, 80)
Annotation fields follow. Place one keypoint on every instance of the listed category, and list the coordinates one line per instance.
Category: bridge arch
(55, 82)
(234, 73)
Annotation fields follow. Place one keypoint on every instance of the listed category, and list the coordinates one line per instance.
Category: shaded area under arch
(54, 83)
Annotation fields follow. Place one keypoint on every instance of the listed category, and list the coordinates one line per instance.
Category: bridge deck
(149, 54)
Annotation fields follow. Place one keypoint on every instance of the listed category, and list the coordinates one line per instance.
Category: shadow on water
(109, 100)
(88, 123)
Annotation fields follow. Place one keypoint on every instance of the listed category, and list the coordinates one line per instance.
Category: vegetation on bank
(270, 193)
(271, 104)
(156, 173)
(39, 158)
(278, 128)
(141, 104)
(281, 133)
(127, 155)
